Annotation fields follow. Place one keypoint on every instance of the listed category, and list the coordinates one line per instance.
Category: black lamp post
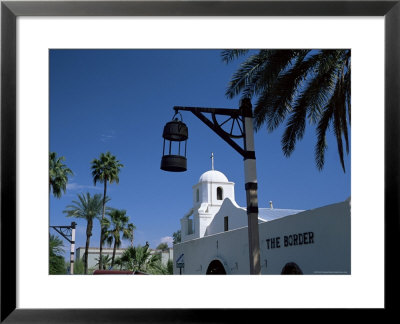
(243, 118)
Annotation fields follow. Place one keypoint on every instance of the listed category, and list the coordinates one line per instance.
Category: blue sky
(120, 100)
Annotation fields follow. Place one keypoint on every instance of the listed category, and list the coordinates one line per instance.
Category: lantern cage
(175, 136)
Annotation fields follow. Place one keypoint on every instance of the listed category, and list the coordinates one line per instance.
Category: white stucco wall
(237, 217)
(327, 249)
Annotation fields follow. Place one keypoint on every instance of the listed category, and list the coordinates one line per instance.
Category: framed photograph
(43, 46)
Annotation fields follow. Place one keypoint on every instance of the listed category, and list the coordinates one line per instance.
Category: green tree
(58, 174)
(131, 228)
(119, 222)
(296, 85)
(119, 262)
(56, 260)
(79, 266)
(105, 261)
(162, 246)
(176, 237)
(88, 208)
(170, 267)
(139, 258)
(105, 169)
(158, 269)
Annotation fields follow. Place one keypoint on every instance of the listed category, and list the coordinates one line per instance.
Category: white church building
(214, 237)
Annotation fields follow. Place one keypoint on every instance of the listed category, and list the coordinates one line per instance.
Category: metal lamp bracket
(234, 117)
(230, 122)
(65, 231)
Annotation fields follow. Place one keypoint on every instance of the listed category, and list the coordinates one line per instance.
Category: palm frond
(339, 127)
(276, 103)
(321, 145)
(229, 55)
(347, 92)
(245, 74)
(106, 168)
(311, 100)
(298, 86)
(275, 63)
(295, 128)
(87, 207)
(58, 174)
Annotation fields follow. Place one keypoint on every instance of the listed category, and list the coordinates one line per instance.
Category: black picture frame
(10, 10)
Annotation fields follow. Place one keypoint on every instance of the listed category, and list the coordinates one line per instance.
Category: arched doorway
(215, 267)
(291, 268)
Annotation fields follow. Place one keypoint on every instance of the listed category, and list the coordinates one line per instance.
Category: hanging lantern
(175, 135)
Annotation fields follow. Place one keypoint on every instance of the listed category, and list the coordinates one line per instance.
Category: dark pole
(250, 177)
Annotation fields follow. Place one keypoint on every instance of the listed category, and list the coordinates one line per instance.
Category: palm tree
(105, 169)
(139, 258)
(131, 228)
(56, 260)
(119, 220)
(119, 262)
(88, 208)
(58, 174)
(105, 261)
(297, 85)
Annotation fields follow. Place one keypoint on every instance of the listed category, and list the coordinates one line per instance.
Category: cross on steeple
(212, 161)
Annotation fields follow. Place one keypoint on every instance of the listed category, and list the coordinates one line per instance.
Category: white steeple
(208, 195)
(213, 187)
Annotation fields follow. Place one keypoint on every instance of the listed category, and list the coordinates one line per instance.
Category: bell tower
(208, 195)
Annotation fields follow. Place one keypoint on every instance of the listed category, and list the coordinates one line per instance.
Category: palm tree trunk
(88, 235)
(101, 226)
(113, 256)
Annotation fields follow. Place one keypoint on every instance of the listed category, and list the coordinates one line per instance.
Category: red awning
(116, 272)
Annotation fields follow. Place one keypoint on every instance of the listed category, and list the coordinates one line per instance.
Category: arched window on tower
(197, 195)
(219, 193)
